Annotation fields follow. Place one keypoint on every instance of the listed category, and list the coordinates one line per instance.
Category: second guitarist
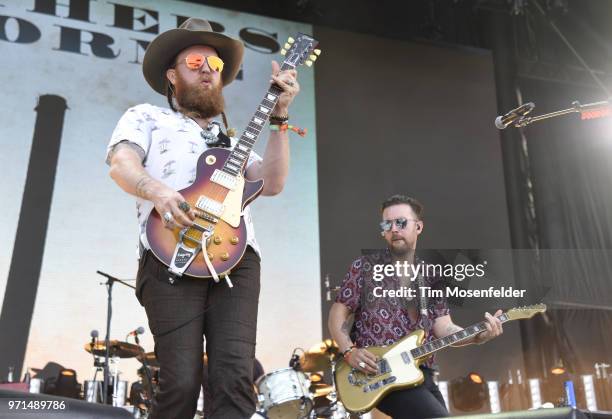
(359, 318)
(153, 153)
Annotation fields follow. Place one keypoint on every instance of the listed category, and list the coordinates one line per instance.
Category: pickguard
(232, 206)
(404, 373)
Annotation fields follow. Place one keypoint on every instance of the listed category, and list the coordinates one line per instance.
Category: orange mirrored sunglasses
(196, 61)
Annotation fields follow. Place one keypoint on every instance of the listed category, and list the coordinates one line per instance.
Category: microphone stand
(147, 372)
(603, 107)
(109, 312)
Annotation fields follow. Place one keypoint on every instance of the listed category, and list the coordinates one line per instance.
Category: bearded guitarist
(153, 154)
(359, 319)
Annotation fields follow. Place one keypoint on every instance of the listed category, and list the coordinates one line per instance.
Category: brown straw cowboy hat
(162, 50)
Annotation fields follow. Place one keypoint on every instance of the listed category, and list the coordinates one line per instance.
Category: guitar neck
(236, 162)
(457, 337)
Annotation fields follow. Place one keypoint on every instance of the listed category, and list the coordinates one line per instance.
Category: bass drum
(283, 394)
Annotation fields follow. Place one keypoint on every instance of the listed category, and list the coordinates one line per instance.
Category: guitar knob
(217, 240)
(210, 256)
(234, 240)
(224, 256)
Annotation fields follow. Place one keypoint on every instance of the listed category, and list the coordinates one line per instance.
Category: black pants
(424, 401)
(179, 315)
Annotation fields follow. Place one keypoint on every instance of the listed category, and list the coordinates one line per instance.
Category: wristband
(348, 350)
(284, 127)
(279, 119)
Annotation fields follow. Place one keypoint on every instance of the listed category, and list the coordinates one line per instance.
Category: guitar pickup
(210, 206)
(224, 179)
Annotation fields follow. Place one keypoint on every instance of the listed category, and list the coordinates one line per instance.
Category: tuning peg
(290, 40)
(308, 63)
(287, 45)
(317, 51)
(313, 57)
(283, 51)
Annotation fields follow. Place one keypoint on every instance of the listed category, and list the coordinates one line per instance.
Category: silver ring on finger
(168, 216)
(362, 365)
(290, 83)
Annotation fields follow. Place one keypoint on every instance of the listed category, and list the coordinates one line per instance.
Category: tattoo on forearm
(141, 187)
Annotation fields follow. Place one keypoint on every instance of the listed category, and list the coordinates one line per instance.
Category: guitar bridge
(184, 255)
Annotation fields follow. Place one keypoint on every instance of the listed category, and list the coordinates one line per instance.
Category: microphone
(294, 362)
(137, 332)
(502, 121)
(94, 336)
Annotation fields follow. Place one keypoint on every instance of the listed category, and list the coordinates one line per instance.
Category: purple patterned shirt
(382, 321)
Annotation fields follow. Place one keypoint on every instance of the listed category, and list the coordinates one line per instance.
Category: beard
(197, 100)
(400, 247)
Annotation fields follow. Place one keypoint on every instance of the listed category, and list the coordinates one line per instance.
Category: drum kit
(305, 390)
(117, 389)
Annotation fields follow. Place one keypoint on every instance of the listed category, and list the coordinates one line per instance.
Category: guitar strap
(423, 304)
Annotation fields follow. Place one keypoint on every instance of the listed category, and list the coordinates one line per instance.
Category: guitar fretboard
(236, 162)
(467, 333)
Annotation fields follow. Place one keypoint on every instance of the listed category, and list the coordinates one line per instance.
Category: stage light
(315, 378)
(443, 387)
(66, 384)
(467, 394)
(558, 368)
(589, 392)
(476, 378)
(494, 396)
(534, 391)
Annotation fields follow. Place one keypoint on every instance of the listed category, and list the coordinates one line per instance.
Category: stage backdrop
(88, 59)
(416, 119)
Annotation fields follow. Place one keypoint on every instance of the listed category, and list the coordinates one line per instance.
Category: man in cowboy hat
(152, 154)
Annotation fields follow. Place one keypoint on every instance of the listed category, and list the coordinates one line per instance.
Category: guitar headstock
(526, 312)
(300, 50)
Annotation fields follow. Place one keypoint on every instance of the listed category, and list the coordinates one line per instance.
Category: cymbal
(320, 389)
(318, 357)
(116, 349)
(150, 358)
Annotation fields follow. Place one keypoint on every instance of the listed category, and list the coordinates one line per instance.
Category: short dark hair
(416, 206)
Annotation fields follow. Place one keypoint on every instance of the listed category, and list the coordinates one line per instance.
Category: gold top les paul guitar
(398, 364)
